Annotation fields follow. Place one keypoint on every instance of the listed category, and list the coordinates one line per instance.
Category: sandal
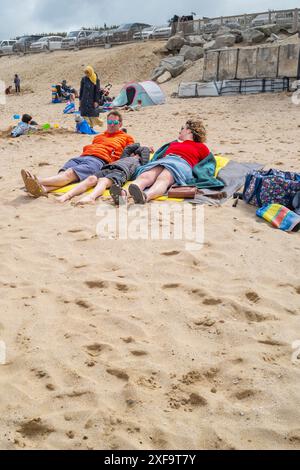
(137, 194)
(117, 194)
(25, 175)
(33, 186)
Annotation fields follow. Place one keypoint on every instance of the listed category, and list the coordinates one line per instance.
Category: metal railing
(285, 18)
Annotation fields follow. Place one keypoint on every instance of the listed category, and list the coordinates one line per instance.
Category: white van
(47, 43)
(6, 46)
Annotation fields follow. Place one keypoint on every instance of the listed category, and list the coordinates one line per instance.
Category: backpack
(271, 187)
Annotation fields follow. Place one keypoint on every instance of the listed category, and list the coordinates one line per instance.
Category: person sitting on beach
(8, 90)
(112, 176)
(105, 148)
(25, 126)
(175, 165)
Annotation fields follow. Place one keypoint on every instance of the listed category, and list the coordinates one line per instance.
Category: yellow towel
(221, 163)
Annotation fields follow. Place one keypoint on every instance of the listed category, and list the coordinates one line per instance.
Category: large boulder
(222, 30)
(174, 65)
(207, 37)
(195, 40)
(165, 77)
(210, 45)
(268, 29)
(188, 64)
(161, 51)
(238, 35)
(157, 73)
(253, 36)
(191, 53)
(175, 43)
(227, 40)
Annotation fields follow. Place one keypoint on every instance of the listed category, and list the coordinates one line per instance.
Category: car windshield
(73, 34)
(124, 27)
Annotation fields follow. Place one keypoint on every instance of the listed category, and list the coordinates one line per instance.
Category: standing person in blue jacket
(17, 83)
(89, 97)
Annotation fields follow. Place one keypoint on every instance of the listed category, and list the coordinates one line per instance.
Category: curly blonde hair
(198, 130)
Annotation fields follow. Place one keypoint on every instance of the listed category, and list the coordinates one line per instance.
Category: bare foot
(62, 199)
(85, 200)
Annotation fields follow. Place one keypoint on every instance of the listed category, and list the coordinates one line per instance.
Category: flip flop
(117, 195)
(25, 175)
(138, 195)
(34, 187)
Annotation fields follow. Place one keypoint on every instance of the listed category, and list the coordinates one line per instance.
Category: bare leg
(102, 185)
(58, 181)
(146, 179)
(162, 183)
(80, 188)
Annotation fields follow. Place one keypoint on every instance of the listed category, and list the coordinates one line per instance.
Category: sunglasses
(111, 121)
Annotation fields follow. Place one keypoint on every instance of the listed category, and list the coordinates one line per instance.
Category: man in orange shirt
(105, 148)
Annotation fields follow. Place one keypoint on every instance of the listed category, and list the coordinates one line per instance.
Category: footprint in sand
(211, 301)
(197, 400)
(96, 348)
(82, 304)
(242, 395)
(96, 284)
(170, 253)
(139, 353)
(252, 297)
(171, 286)
(122, 287)
(34, 428)
(120, 374)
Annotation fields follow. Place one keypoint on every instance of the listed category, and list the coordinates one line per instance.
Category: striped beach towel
(280, 217)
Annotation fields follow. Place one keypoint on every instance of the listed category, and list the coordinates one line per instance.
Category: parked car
(126, 31)
(47, 43)
(104, 36)
(87, 40)
(262, 19)
(162, 31)
(146, 33)
(73, 37)
(23, 44)
(6, 46)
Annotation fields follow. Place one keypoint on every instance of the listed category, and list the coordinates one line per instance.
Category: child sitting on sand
(24, 127)
(112, 176)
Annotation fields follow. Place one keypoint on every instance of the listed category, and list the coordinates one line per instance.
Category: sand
(132, 344)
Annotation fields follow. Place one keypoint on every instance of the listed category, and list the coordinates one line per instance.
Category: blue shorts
(84, 166)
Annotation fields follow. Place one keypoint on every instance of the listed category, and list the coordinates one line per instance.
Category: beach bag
(271, 187)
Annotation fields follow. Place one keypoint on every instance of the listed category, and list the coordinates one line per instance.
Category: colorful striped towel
(280, 217)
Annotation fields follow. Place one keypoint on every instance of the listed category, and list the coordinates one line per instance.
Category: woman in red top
(176, 166)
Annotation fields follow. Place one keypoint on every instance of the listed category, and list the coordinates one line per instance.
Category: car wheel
(150, 36)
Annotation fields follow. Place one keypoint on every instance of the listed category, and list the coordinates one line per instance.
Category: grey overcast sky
(19, 17)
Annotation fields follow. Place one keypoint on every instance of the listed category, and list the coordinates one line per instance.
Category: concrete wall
(210, 70)
(227, 64)
(288, 65)
(259, 62)
(246, 67)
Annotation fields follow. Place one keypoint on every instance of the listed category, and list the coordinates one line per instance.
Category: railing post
(296, 20)
(270, 17)
(222, 21)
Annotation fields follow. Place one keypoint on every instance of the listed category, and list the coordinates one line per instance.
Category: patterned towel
(280, 217)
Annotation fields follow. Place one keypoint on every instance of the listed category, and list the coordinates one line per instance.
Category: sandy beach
(140, 344)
